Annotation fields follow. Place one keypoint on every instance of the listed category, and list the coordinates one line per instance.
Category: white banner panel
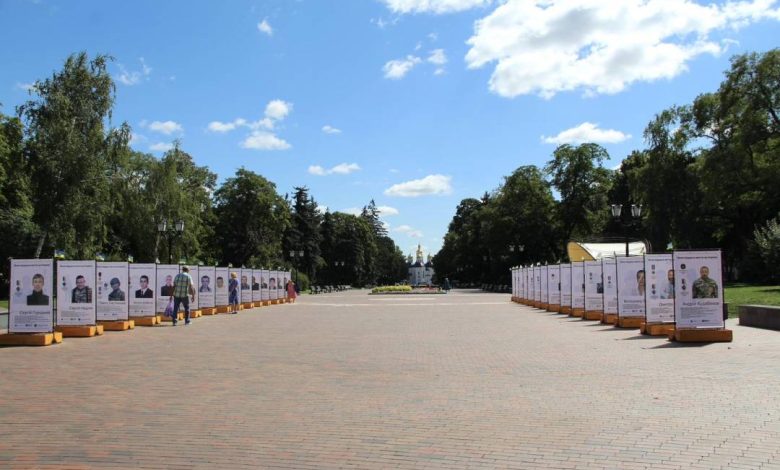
(76, 293)
(164, 290)
(257, 294)
(577, 284)
(566, 285)
(537, 283)
(112, 297)
(658, 308)
(221, 286)
(631, 286)
(206, 286)
(554, 284)
(281, 284)
(245, 285)
(524, 283)
(699, 287)
(195, 275)
(140, 284)
(31, 304)
(264, 293)
(594, 287)
(544, 296)
(609, 274)
(273, 293)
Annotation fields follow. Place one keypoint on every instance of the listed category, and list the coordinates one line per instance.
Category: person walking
(233, 293)
(183, 291)
(291, 291)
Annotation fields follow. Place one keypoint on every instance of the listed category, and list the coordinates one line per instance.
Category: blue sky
(414, 103)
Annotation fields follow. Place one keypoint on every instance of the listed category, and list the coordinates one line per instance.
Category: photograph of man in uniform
(167, 289)
(81, 294)
(668, 290)
(144, 292)
(205, 284)
(37, 297)
(244, 283)
(255, 284)
(704, 287)
(272, 283)
(116, 293)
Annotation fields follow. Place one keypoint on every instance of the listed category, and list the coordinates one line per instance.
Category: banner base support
(117, 325)
(145, 321)
(592, 315)
(208, 311)
(179, 317)
(609, 318)
(30, 339)
(80, 331)
(629, 322)
(577, 312)
(656, 329)
(694, 335)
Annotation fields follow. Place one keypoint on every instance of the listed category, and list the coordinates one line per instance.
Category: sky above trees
(417, 104)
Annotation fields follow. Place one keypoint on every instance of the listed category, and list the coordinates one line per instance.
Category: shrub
(379, 289)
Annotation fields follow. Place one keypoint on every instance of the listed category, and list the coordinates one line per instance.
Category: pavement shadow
(676, 344)
(640, 336)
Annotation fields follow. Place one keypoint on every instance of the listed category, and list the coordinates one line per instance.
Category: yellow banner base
(30, 339)
(118, 325)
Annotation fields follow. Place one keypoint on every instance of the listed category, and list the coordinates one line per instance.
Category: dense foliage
(709, 177)
(69, 181)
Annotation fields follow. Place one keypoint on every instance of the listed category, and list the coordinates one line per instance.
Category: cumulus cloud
(411, 232)
(352, 210)
(165, 127)
(433, 6)
(340, 169)
(546, 47)
(25, 86)
(437, 57)
(265, 27)
(587, 132)
(330, 130)
(386, 211)
(261, 136)
(136, 139)
(133, 77)
(160, 147)
(397, 69)
(428, 186)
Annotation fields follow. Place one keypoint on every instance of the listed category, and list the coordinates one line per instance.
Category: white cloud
(340, 169)
(136, 139)
(433, 6)
(352, 210)
(278, 109)
(265, 27)
(437, 57)
(133, 77)
(430, 185)
(546, 47)
(411, 232)
(587, 132)
(322, 209)
(397, 69)
(330, 130)
(165, 127)
(160, 147)
(25, 86)
(263, 140)
(386, 211)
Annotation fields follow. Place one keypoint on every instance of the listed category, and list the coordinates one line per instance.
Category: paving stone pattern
(347, 380)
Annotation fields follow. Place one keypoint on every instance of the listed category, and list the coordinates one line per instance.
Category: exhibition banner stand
(76, 299)
(659, 304)
(257, 292)
(609, 275)
(537, 286)
(630, 291)
(246, 289)
(195, 310)
(554, 288)
(566, 289)
(265, 295)
(544, 299)
(577, 289)
(206, 287)
(164, 289)
(221, 294)
(697, 290)
(141, 281)
(31, 304)
(113, 296)
(594, 291)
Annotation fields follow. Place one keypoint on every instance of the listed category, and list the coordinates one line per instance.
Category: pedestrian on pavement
(291, 291)
(447, 286)
(233, 293)
(183, 291)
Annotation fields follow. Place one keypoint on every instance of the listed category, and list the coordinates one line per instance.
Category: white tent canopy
(593, 251)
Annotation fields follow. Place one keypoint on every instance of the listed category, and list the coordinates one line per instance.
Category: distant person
(116, 294)
(37, 297)
(668, 290)
(205, 284)
(167, 289)
(81, 294)
(704, 287)
(233, 293)
(291, 293)
(183, 291)
(144, 292)
(446, 285)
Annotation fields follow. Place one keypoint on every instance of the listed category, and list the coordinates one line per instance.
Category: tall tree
(304, 232)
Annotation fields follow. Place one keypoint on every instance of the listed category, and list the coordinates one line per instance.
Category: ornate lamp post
(636, 213)
(174, 231)
(296, 255)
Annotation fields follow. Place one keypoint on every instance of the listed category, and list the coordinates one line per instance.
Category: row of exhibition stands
(50, 301)
(679, 294)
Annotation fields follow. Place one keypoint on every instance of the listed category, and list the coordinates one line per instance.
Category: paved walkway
(346, 380)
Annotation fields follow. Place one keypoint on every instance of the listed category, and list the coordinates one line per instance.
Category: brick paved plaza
(465, 380)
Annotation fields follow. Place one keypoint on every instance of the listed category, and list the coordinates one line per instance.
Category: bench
(760, 316)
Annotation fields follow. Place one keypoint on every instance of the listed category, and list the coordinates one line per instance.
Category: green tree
(303, 233)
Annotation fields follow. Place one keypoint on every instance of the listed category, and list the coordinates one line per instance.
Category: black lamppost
(170, 233)
(636, 213)
(295, 255)
(339, 272)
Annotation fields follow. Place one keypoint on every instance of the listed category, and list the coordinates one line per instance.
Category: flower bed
(405, 290)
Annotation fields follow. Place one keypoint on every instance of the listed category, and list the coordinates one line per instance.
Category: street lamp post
(636, 213)
(339, 272)
(295, 255)
(170, 233)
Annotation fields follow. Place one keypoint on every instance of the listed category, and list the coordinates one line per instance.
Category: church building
(420, 274)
